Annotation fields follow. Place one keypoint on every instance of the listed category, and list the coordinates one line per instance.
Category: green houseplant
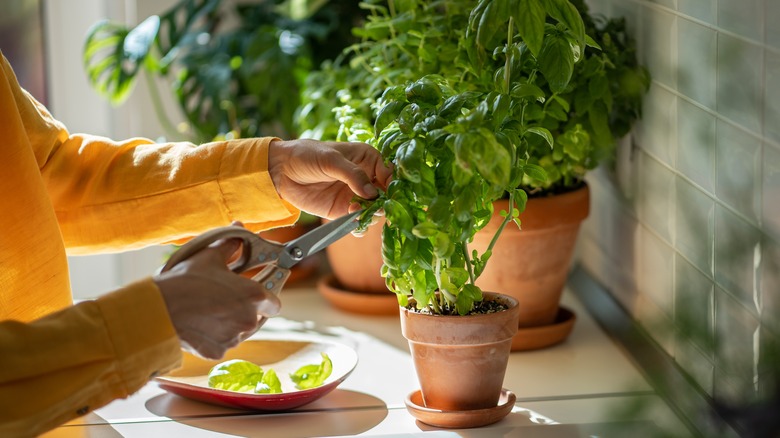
(566, 84)
(596, 108)
(235, 68)
(463, 98)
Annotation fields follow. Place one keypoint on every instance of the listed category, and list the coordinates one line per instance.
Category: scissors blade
(317, 239)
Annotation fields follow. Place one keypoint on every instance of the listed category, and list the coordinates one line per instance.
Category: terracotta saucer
(532, 338)
(460, 419)
(368, 303)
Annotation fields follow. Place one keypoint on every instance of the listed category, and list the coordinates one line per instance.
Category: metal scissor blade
(318, 238)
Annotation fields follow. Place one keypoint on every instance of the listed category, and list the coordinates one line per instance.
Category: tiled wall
(684, 229)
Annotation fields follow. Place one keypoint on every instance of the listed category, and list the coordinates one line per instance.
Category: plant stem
(465, 250)
(504, 222)
(437, 273)
(158, 107)
(391, 6)
(507, 64)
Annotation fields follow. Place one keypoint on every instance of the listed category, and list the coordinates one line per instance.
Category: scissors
(277, 258)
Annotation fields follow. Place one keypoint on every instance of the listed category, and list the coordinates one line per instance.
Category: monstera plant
(235, 68)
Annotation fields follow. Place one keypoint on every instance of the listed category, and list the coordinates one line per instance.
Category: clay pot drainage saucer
(460, 419)
(369, 303)
(532, 338)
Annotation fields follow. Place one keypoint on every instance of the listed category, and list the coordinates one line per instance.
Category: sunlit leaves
(556, 61)
(113, 55)
(475, 103)
(530, 17)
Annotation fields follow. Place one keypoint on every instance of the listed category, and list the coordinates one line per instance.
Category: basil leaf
(235, 375)
(387, 115)
(269, 384)
(312, 376)
(530, 17)
(557, 62)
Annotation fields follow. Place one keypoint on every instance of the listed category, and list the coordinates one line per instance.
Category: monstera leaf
(114, 53)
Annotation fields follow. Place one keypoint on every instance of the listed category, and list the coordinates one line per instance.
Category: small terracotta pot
(356, 261)
(532, 264)
(461, 360)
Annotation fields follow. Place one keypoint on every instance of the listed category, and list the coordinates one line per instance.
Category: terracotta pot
(356, 261)
(532, 264)
(461, 360)
(307, 267)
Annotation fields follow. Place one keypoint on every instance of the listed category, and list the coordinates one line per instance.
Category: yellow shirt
(86, 194)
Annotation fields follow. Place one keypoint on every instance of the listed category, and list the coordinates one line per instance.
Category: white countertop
(568, 390)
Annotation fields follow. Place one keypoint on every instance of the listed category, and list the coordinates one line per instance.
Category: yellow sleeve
(136, 193)
(119, 195)
(81, 358)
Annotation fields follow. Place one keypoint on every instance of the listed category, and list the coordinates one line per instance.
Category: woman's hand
(322, 177)
(211, 307)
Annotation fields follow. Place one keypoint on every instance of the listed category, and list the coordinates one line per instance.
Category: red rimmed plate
(282, 355)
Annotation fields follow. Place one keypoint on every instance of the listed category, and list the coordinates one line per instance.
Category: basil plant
(471, 101)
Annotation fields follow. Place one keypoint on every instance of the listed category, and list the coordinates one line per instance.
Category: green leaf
(389, 248)
(536, 172)
(590, 42)
(408, 253)
(566, 13)
(464, 203)
(440, 210)
(312, 376)
(422, 292)
(490, 158)
(452, 105)
(530, 17)
(387, 115)
(423, 91)
(425, 230)
(598, 118)
(488, 23)
(457, 276)
(407, 118)
(562, 102)
(557, 62)
(556, 112)
(109, 69)
(466, 298)
(575, 142)
(140, 39)
(521, 199)
(424, 258)
(500, 107)
(598, 86)
(397, 215)
(409, 159)
(528, 90)
(442, 245)
(235, 375)
(269, 384)
(542, 132)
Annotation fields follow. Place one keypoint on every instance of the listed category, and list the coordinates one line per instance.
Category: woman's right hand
(211, 307)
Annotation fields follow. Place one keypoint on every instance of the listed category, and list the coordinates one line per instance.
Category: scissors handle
(255, 251)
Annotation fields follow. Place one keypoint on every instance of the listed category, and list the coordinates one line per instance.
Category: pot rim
(510, 301)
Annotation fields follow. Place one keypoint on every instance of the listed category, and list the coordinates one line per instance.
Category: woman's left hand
(321, 178)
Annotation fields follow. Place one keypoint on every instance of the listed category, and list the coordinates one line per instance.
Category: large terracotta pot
(532, 264)
(461, 360)
(356, 261)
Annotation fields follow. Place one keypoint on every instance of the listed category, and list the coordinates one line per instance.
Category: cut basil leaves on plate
(244, 376)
